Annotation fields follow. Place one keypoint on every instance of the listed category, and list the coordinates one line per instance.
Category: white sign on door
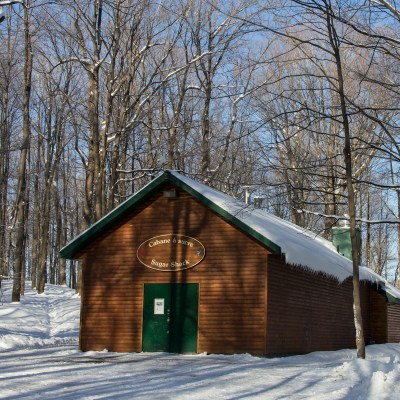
(158, 306)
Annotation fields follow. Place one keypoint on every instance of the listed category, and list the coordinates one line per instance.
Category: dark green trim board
(226, 215)
(84, 239)
(391, 299)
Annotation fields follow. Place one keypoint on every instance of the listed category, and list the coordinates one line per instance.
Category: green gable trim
(85, 238)
(81, 241)
(226, 215)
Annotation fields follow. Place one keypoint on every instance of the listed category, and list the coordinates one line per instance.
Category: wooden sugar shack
(180, 267)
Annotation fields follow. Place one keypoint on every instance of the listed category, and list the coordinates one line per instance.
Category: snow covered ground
(39, 359)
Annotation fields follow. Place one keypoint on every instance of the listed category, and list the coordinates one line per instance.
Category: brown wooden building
(180, 267)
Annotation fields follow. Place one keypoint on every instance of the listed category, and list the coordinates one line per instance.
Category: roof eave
(390, 298)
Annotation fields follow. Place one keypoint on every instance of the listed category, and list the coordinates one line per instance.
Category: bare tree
(21, 198)
(51, 127)
(9, 112)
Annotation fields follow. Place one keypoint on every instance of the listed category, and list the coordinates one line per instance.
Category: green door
(170, 317)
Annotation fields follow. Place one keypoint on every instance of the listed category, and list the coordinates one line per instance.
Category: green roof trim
(390, 298)
(86, 237)
(226, 215)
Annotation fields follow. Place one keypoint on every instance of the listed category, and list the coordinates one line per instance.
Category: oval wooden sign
(172, 252)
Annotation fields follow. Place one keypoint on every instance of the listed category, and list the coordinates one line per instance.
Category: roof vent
(170, 194)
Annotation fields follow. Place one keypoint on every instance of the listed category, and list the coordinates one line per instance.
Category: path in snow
(45, 319)
(39, 359)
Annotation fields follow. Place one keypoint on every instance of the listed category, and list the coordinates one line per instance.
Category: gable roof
(186, 184)
(299, 246)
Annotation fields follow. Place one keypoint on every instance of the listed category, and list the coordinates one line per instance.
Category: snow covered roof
(300, 247)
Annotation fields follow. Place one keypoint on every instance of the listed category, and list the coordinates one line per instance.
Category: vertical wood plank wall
(232, 280)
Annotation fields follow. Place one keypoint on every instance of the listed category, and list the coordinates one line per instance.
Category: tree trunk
(360, 343)
(4, 175)
(44, 239)
(21, 192)
(36, 215)
(206, 130)
(61, 231)
(5, 162)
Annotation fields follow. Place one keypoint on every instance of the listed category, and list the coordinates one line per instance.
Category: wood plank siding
(393, 323)
(377, 316)
(231, 278)
(309, 312)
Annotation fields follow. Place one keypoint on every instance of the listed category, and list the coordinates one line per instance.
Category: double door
(170, 317)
